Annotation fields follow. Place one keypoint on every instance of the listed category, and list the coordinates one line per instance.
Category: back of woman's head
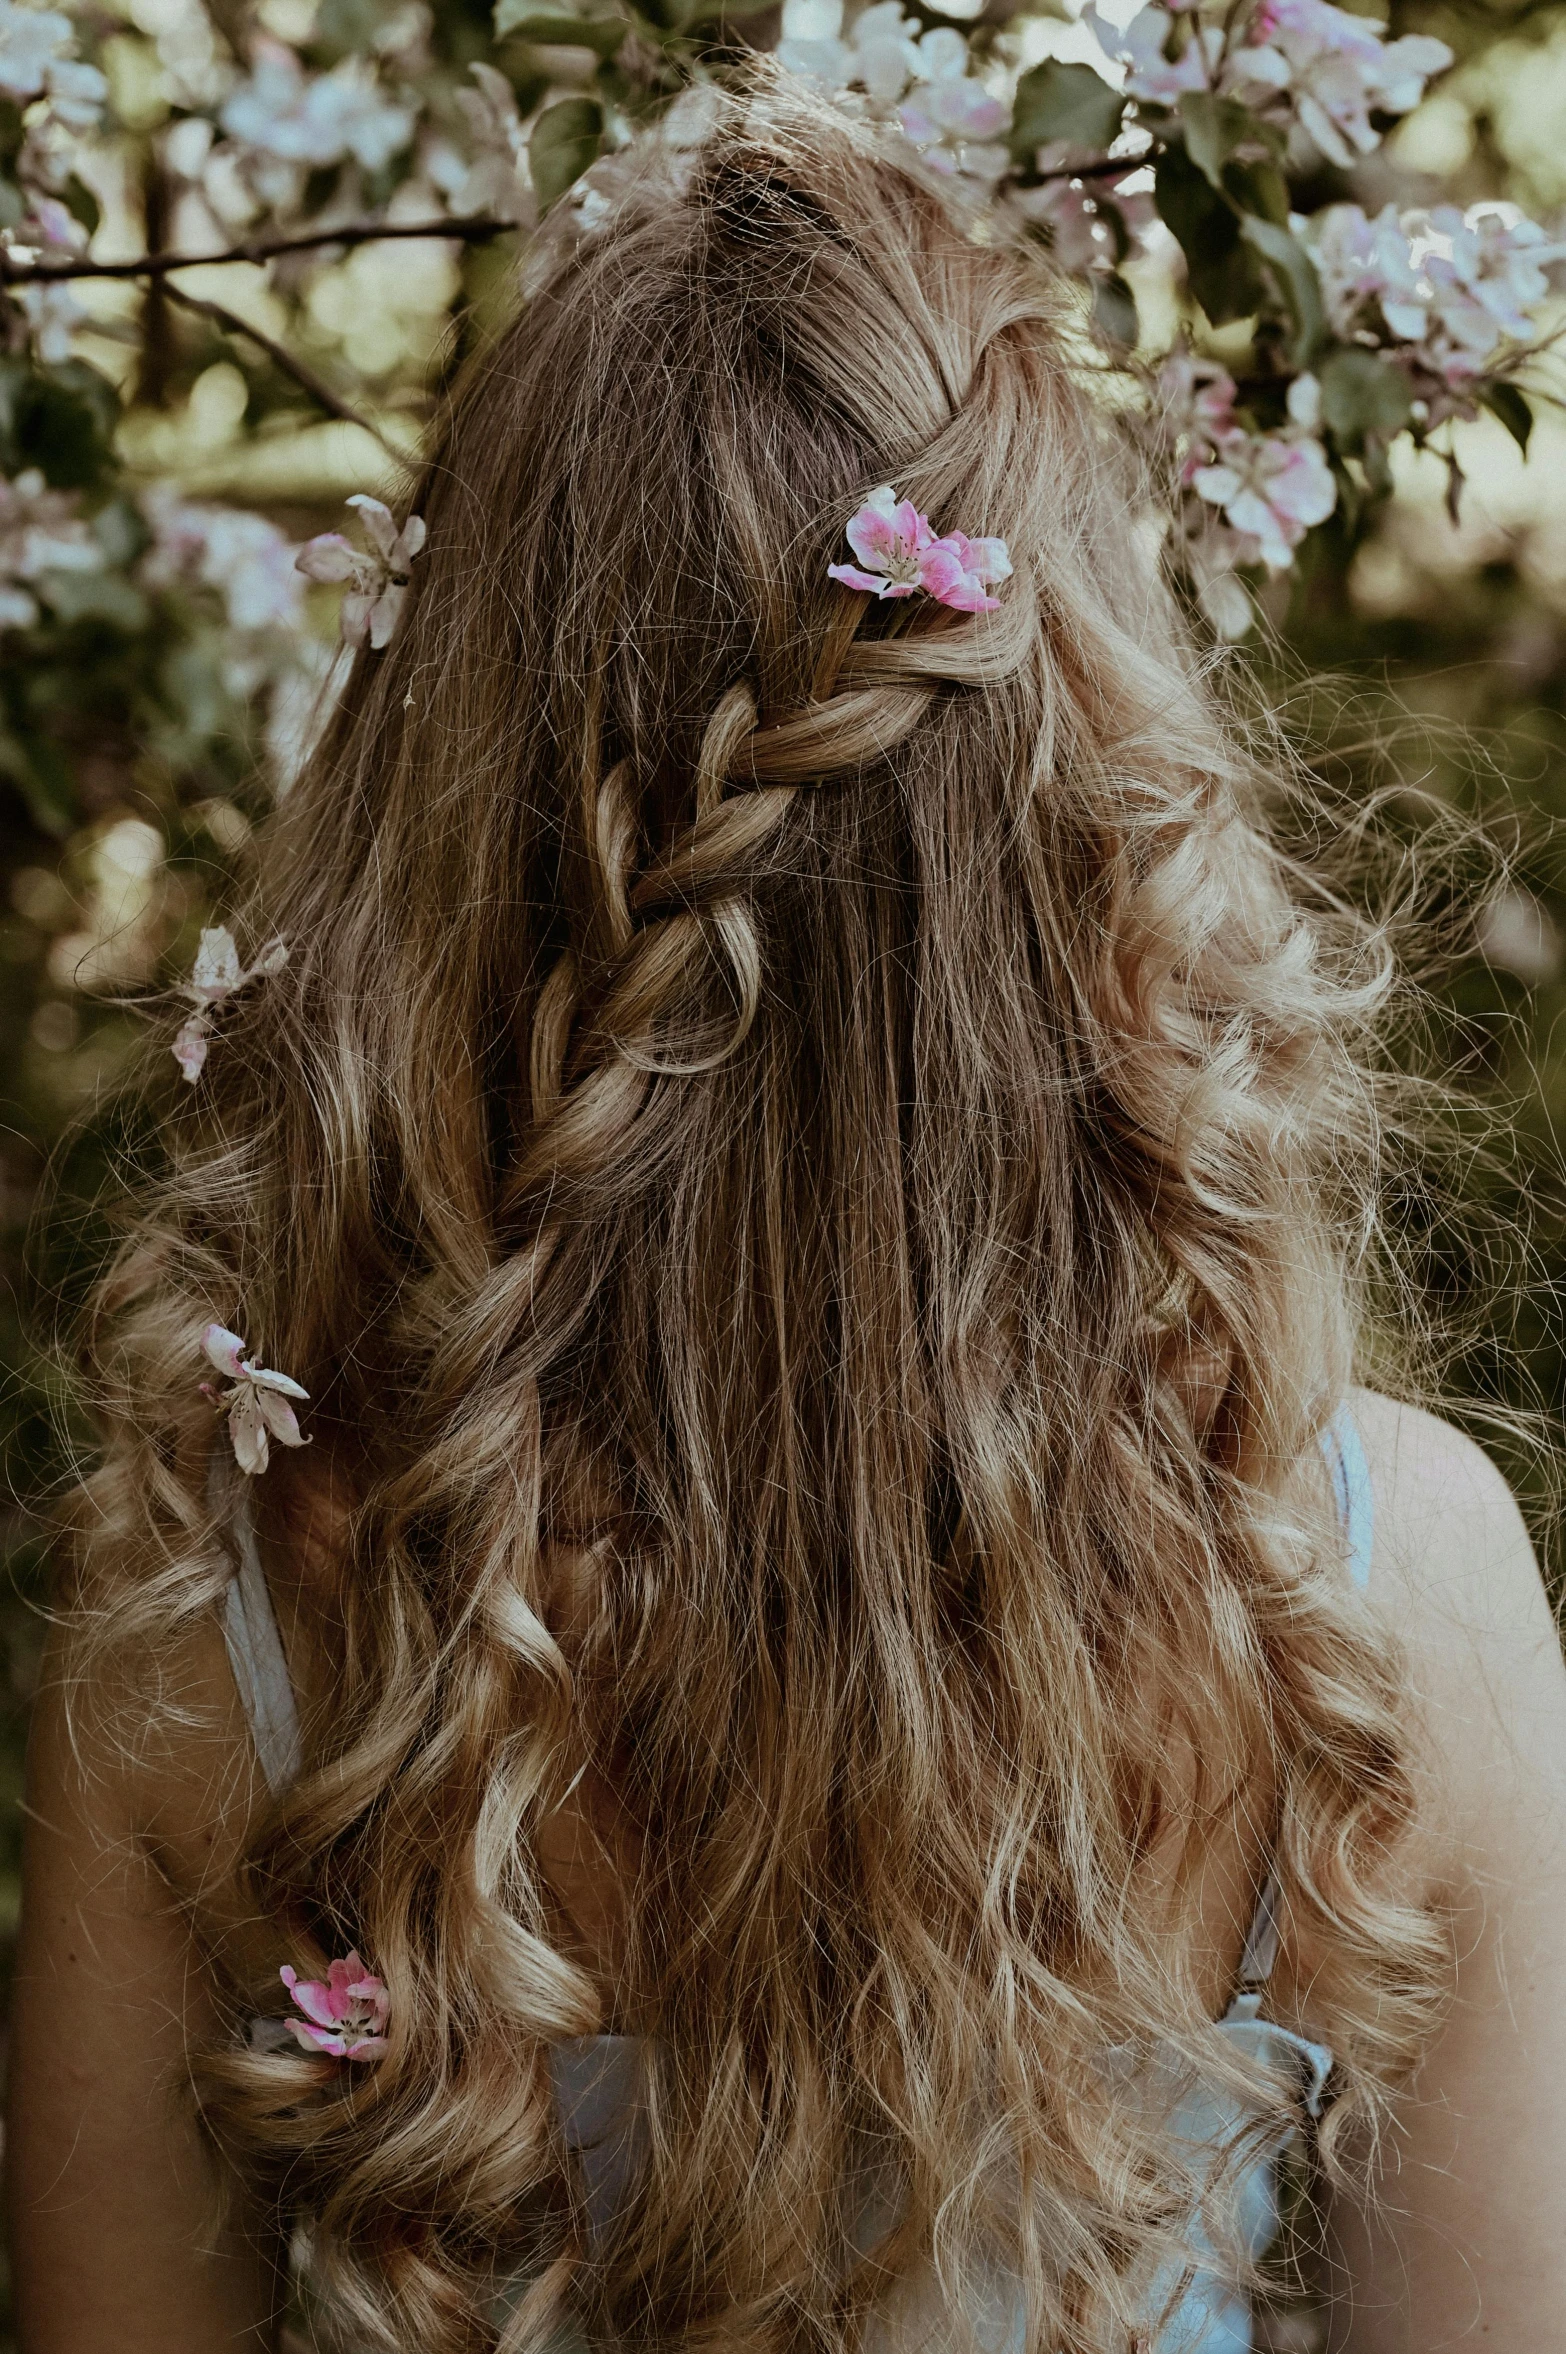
(803, 1151)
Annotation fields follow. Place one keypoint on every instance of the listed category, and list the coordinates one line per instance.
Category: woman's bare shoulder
(1455, 1579)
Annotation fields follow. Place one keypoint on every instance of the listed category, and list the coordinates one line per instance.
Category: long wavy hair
(816, 1160)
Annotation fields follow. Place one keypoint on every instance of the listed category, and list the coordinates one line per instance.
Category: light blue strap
(255, 1648)
(1345, 1453)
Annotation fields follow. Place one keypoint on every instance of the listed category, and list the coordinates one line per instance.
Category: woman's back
(810, 1159)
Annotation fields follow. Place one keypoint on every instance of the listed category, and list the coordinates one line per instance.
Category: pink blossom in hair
(345, 2014)
(900, 554)
(257, 1406)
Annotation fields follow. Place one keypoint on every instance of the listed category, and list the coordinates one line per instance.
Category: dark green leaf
(1114, 309)
(1223, 274)
(13, 212)
(554, 29)
(12, 131)
(566, 139)
(81, 203)
(59, 419)
(1214, 128)
(1258, 188)
(43, 779)
(1507, 403)
(1295, 276)
(1068, 102)
(1362, 394)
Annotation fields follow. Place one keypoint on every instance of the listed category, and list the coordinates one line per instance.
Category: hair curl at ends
(812, 1165)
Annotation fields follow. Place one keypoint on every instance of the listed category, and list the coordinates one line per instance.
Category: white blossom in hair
(217, 974)
(257, 1405)
(374, 584)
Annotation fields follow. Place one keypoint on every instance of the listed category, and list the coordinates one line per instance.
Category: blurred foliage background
(167, 442)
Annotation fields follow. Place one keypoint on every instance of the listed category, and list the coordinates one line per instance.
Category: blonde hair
(834, 1122)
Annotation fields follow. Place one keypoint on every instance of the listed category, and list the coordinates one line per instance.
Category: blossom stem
(475, 229)
(284, 360)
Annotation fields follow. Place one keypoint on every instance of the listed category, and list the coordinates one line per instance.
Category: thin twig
(474, 230)
(316, 386)
(1118, 167)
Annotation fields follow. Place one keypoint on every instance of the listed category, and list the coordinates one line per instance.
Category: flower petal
(380, 528)
(318, 2039)
(190, 1047)
(872, 584)
(328, 557)
(265, 1379)
(353, 617)
(217, 970)
(247, 1430)
(988, 559)
(410, 543)
(279, 1417)
(942, 576)
(383, 614)
(224, 1351)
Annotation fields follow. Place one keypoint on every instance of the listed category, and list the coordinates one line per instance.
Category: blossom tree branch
(474, 230)
(285, 361)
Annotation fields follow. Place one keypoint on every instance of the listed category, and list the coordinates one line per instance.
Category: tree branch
(476, 229)
(284, 360)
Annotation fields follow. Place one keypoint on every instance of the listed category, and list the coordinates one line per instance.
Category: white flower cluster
(1445, 290)
(41, 534)
(1251, 497)
(36, 62)
(239, 555)
(284, 122)
(491, 176)
(1313, 67)
(948, 113)
(62, 99)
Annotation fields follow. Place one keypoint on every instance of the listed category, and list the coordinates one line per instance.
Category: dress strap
(255, 1648)
(1345, 1453)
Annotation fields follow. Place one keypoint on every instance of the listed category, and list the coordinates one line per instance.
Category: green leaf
(712, 12)
(1295, 276)
(94, 596)
(1222, 271)
(1114, 309)
(43, 779)
(81, 203)
(59, 419)
(1507, 403)
(1214, 128)
(566, 139)
(555, 29)
(1361, 394)
(13, 212)
(12, 131)
(343, 26)
(1258, 188)
(1069, 102)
